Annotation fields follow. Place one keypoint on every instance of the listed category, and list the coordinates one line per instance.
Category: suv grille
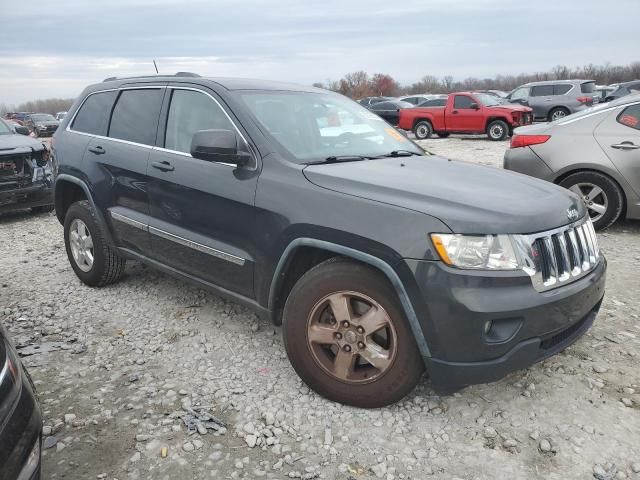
(561, 256)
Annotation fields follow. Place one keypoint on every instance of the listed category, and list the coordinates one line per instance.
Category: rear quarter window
(630, 117)
(94, 113)
(588, 87)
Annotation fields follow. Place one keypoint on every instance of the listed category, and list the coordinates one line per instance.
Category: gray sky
(56, 50)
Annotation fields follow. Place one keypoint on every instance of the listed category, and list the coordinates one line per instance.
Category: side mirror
(219, 146)
(474, 106)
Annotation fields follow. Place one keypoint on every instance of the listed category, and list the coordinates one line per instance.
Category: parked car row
(40, 124)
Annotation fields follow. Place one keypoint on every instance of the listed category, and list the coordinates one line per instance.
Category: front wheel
(423, 130)
(601, 195)
(347, 337)
(497, 130)
(92, 259)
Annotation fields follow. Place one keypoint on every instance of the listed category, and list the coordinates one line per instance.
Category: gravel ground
(118, 366)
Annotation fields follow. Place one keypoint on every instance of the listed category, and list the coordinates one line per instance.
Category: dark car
(20, 117)
(390, 110)
(20, 418)
(25, 173)
(623, 89)
(377, 258)
(41, 124)
(368, 101)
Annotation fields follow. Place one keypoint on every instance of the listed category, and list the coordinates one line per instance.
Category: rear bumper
(526, 326)
(524, 160)
(33, 196)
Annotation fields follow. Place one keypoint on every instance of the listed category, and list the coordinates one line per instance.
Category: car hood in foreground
(468, 198)
(15, 141)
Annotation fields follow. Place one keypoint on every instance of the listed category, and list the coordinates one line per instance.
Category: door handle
(626, 146)
(98, 150)
(455, 112)
(163, 166)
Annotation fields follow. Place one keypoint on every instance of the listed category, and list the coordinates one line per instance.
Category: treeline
(361, 84)
(49, 105)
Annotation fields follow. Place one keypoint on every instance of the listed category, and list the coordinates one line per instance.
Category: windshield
(42, 117)
(5, 129)
(488, 100)
(314, 126)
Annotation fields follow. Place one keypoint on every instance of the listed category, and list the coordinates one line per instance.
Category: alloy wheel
(594, 198)
(351, 337)
(558, 114)
(81, 245)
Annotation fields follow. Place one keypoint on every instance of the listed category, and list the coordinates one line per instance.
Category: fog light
(487, 326)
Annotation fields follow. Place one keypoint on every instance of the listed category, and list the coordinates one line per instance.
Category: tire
(423, 130)
(365, 386)
(609, 202)
(557, 113)
(443, 135)
(42, 209)
(497, 130)
(107, 266)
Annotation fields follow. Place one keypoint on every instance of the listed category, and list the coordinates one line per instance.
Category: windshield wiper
(339, 159)
(399, 153)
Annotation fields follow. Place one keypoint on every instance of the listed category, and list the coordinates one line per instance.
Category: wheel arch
(422, 119)
(67, 190)
(497, 117)
(323, 250)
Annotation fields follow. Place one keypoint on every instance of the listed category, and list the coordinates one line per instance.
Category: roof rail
(179, 74)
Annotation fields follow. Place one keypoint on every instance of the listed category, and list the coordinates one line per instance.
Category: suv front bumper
(526, 326)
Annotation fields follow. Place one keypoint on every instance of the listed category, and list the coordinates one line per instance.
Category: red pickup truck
(466, 112)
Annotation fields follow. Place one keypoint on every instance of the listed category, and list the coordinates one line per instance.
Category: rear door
(463, 118)
(619, 137)
(202, 212)
(119, 162)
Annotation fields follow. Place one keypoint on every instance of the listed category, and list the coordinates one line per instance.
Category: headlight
(484, 252)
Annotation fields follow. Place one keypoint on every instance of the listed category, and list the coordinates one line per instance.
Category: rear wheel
(557, 113)
(601, 195)
(497, 130)
(347, 337)
(92, 259)
(423, 130)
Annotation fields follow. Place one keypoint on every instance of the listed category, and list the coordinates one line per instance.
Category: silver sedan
(594, 153)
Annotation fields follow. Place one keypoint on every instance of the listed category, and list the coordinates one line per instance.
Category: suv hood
(468, 198)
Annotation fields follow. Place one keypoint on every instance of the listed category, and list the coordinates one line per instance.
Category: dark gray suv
(377, 259)
(552, 100)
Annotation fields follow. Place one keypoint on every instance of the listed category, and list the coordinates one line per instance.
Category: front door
(463, 117)
(619, 137)
(202, 212)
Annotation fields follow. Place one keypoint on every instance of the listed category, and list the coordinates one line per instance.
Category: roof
(225, 82)
(546, 82)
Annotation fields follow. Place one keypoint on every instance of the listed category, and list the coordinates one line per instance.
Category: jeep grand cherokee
(377, 258)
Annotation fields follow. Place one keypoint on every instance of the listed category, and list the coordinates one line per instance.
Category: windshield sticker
(395, 134)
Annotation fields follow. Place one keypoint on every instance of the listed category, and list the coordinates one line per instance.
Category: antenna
(156, 67)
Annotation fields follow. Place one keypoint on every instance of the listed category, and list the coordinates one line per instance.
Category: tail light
(585, 100)
(519, 141)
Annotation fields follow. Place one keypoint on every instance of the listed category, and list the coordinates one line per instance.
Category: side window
(190, 112)
(412, 100)
(462, 102)
(520, 94)
(383, 106)
(561, 89)
(542, 90)
(94, 113)
(630, 117)
(135, 116)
